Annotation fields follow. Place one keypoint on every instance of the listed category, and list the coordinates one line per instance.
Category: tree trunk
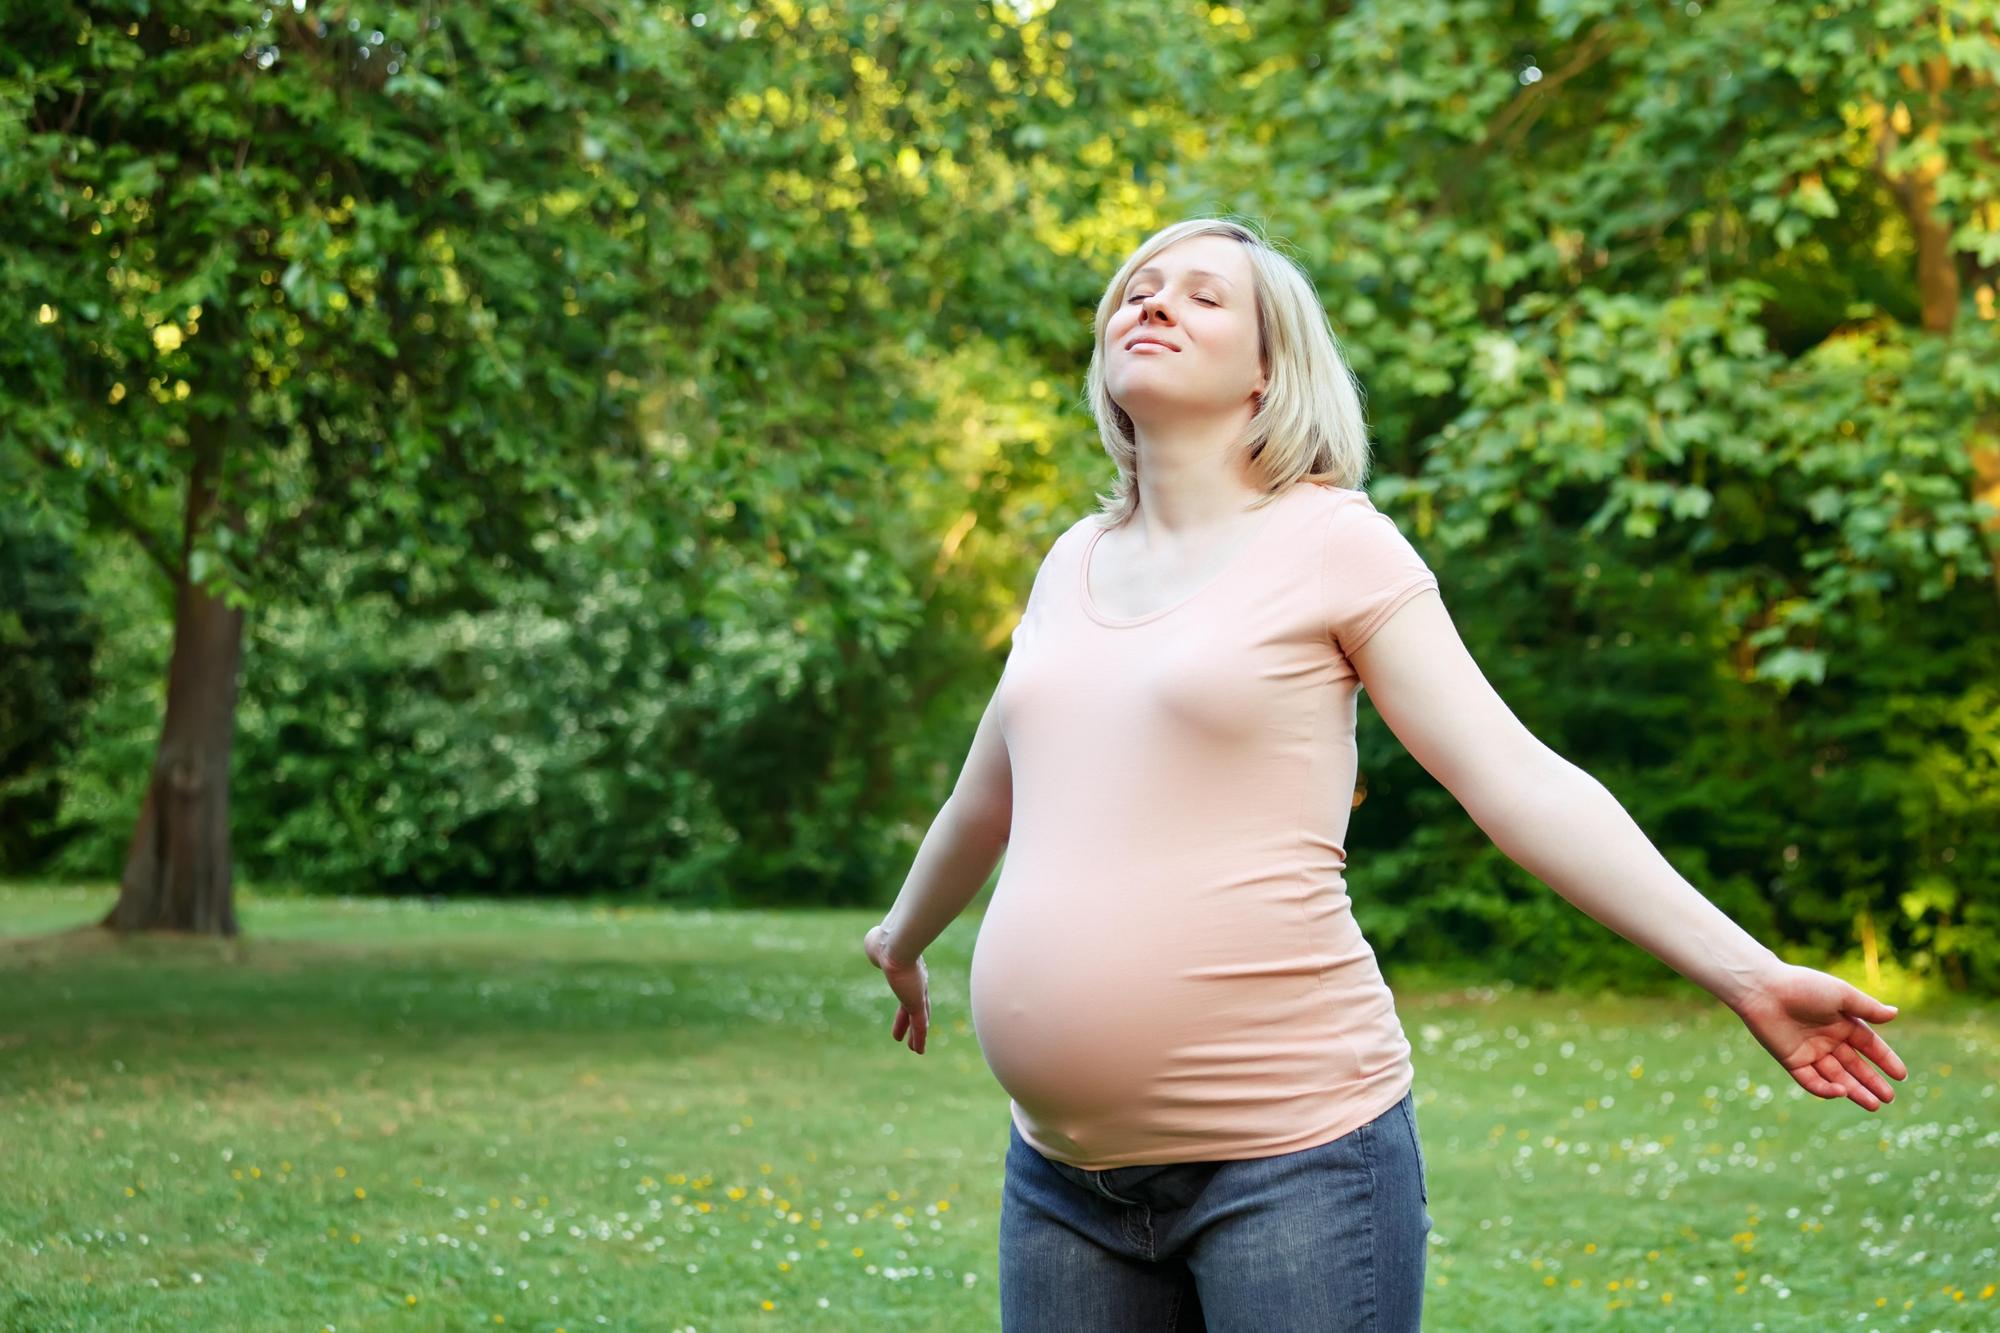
(177, 871)
(1938, 285)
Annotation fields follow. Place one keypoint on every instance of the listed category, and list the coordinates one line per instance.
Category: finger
(1836, 1074)
(1860, 1004)
(902, 1023)
(922, 1029)
(1864, 1074)
(1869, 1042)
(1812, 1081)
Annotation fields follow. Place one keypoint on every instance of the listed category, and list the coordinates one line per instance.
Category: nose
(1151, 309)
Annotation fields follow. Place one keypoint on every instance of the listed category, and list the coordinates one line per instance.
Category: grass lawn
(381, 1115)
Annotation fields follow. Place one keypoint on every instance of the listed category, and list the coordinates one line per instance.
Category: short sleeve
(1368, 570)
(1031, 612)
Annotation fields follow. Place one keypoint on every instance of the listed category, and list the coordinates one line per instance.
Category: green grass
(377, 1115)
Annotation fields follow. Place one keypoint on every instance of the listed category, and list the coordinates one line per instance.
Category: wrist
(1739, 979)
(892, 953)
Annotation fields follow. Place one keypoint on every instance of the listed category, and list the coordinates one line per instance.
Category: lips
(1162, 342)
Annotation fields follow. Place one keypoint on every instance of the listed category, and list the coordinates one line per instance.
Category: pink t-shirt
(1169, 970)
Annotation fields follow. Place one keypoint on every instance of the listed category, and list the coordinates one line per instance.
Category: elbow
(1533, 795)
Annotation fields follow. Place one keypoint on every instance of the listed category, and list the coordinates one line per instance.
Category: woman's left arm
(1564, 827)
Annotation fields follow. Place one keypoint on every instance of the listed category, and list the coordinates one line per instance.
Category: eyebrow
(1193, 272)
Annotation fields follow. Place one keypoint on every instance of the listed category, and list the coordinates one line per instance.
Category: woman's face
(1196, 306)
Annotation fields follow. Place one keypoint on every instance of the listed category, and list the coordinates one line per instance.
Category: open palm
(1816, 1026)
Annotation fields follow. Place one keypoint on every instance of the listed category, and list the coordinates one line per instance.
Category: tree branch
(104, 507)
(1519, 113)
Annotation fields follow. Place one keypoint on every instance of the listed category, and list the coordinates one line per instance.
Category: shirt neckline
(1090, 607)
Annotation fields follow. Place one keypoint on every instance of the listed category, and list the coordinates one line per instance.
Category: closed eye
(1204, 300)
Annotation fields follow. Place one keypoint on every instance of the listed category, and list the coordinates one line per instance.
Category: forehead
(1213, 254)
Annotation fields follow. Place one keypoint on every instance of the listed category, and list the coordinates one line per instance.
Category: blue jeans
(1330, 1237)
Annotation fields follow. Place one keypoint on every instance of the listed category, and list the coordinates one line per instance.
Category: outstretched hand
(912, 984)
(1816, 1026)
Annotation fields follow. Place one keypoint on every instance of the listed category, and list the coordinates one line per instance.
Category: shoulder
(1066, 546)
(1076, 535)
(1331, 499)
(1349, 514)
(1333, 514)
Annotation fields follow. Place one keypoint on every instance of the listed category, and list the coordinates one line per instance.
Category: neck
(1186, 481)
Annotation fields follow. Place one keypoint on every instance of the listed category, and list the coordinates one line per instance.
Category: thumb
(1863, 1005)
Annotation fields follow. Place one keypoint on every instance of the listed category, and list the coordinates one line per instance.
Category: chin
(1145, 401)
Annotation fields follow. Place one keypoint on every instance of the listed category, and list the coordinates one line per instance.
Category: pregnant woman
(1212, 1123)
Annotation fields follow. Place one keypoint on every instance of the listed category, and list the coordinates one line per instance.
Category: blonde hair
(1308, 425)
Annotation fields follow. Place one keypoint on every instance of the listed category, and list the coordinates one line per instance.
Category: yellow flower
(360, 1193)
(167, 337)
(769, 1305)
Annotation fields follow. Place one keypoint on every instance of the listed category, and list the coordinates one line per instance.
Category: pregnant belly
(1202, 1011)
(1065, 1035)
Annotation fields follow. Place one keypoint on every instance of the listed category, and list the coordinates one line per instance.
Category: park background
(583, 464)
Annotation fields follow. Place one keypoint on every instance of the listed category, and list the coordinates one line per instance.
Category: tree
(1686, 317)
(419, 282)
(284, 280)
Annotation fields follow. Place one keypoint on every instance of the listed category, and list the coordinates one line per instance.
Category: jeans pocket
(1417, 1146)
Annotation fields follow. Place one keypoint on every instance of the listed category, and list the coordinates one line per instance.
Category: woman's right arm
(960, 850)
(957, 855)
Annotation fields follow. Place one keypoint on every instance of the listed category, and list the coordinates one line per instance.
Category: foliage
(1679, 327)
(653, 425)
(48, 644)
